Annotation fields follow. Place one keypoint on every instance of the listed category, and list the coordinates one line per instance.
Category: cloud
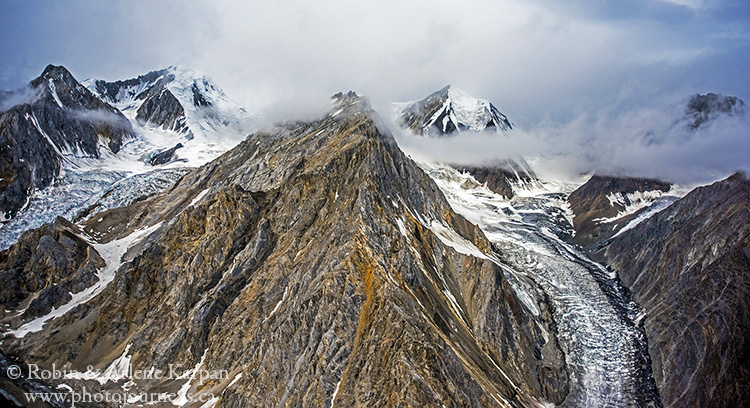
(561, 71)
(654, 142)
(533, 59)
(17, 97)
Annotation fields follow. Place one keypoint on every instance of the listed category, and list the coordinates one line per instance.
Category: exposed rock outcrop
(501, 178)
(703, 108)
(44, 268)
(689, 269)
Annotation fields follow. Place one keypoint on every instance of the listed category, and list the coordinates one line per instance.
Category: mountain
(312, 265)
(104, 147)
(449, 111)
(178, 106)
(61, 122)
(604, 206)
(703, 108)
(502, 178)
(688, 267)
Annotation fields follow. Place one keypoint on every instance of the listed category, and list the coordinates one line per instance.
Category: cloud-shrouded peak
(448, 111)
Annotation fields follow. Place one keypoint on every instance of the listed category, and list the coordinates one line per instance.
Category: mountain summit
(175, 99)
(448, 111)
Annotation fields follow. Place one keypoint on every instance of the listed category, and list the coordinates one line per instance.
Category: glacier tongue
(605, 350)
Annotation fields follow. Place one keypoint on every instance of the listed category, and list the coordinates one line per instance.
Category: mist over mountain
(457, 249)
(197, 210)
(658, 142)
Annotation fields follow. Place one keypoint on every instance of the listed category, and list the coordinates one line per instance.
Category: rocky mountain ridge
(345, 279)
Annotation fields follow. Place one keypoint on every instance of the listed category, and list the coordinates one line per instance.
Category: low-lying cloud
(18, 97)
(649, 142)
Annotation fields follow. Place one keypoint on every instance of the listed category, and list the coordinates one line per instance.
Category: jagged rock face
(604, 205)
(689, 269)
(64, 121)
(448, 111)
(160, 107)
(113, 92)
(156, 103)
(43, 269)
(702, 108)
(58, 88)
(321, 264)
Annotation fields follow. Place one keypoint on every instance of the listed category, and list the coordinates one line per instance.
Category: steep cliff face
(605, 205)
(689, 268)
(62, 121)
(317, 266)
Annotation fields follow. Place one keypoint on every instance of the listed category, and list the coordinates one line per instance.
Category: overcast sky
(538, 61)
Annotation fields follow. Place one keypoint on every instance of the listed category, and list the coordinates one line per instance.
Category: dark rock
(198, 98)
(14, 391)
(160, 107)
(164, 156)
(702, 108)
(49, 297)
(688, 267)
(591, 206)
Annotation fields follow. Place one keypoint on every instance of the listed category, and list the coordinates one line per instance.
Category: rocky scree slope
(688, 267)
(317, 265)
(61, 121)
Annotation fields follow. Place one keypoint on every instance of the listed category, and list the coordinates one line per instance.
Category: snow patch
(117, 370)
(401, 227)
(199, 197)
(182, 398)
(53, 90)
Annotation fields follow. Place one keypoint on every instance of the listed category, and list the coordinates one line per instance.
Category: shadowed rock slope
(601, 206)
(322, 265)
(59, 121)
(689, 268)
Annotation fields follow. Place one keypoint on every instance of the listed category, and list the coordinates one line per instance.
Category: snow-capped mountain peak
(178, 106)
(448, 111)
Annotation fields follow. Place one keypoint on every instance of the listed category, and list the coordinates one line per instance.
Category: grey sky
(534, 59)
(541, 62)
